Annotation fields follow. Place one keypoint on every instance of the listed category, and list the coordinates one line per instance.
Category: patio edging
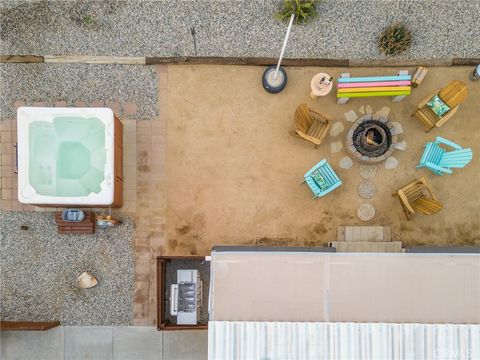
(259, 61)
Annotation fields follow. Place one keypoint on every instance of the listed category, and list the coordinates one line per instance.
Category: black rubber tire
(273, 89)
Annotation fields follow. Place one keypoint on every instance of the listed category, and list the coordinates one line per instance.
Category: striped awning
(347, 341)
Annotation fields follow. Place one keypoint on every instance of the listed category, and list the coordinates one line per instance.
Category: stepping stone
(336, 147)
(366, 212)
(336, 129)
(346, 163)
(397, 128)
(369, 110)
(366, 189)
(351, 116)
(362, 110)
(368, 171)
(402, 146)
(391, 163)
(384, 111)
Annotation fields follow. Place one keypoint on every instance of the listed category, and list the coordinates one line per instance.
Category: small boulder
(402, 145)
(351, 116)
(397, 128)
(87, 280)
(346, 163)
(391, 163)
(336, 129)
(336, 147)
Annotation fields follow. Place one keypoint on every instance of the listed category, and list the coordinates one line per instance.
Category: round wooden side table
(318, 88)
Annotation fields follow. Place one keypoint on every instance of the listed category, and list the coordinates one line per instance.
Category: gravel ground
(346, 28)
(39, 269)
(78, 82)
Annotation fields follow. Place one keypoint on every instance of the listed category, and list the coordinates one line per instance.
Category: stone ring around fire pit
(370, 139)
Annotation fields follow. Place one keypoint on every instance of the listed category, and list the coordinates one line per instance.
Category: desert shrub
(395, 39)
(304, 10)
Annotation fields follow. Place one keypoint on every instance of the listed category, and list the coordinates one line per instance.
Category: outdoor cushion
(438, 106)
(319, 180)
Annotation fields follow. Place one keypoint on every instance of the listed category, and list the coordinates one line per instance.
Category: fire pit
(370, 139)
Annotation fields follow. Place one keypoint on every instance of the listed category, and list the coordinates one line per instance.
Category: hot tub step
(87, 226)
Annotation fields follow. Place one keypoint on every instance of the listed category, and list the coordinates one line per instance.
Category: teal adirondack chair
(321, 179)
(441, 161)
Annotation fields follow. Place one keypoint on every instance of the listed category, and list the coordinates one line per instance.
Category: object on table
(106, 221)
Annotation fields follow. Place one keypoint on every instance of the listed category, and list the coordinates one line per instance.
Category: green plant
(395, 39)
(304, 10)
(88, 20)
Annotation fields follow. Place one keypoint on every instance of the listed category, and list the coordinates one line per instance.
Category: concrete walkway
(104, 343)
(346, 29)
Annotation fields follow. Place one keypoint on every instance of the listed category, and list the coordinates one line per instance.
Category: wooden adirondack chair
(311, 125)
(441, 161)
(415, 199)
(453, 95)
(321, 179)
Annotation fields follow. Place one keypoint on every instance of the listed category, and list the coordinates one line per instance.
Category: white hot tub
(66, 156)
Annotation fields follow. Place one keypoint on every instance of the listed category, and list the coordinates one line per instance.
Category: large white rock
(346, 163)
(336, 129)
(402, 145)
(87, 280)
(362, 110)
(391, 163)
(397, 128)
(384, 111)
(368, 110)
(336, 147)
(351, 116)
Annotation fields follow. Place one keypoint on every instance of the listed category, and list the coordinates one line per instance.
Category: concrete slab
(185, 345)
(137, 342)
(88, 342)
(32, 345)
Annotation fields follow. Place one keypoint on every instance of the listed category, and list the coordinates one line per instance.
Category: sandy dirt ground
(234, 171)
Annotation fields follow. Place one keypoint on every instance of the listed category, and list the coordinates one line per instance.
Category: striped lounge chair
(441, 161)
(321, 179)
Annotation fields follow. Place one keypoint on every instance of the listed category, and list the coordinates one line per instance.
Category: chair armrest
(438, 168)
(319, 164)
(405, 201)
(441, 140)
(428, 187)
(424, 101)
(307, 137)
(447, 117)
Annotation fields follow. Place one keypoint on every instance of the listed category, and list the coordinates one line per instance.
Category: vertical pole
(284, 46)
